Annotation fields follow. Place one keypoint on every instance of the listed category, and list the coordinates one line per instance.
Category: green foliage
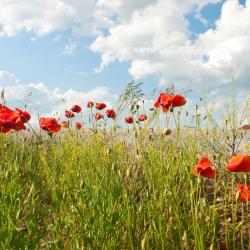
(88, 190)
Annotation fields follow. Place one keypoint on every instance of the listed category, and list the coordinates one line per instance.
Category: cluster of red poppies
(12, 119)
(51, 124)
(167, 102)
(99, 106)
(238, 163)
(15, 120)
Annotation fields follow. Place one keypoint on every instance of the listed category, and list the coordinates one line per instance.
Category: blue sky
(32, 55)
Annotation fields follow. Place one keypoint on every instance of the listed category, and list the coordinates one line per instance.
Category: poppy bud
(90, 104)
(167, 131)
(171, 109)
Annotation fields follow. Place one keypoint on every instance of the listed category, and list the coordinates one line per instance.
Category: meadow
(144, 185)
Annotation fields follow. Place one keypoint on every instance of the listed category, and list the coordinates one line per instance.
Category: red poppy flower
(129, 119)
(205, 168)
(98, 116)
(69, 114)
(65, 124)
(6, 119)
(142, 117)
(21, 117)
(178, 101)
(165, 109)
(10, 119)
(76, 109)
(49, 124)
(244, 192)
(90, 104)
(100, 105)
(239, 163)
(166, 101)
(110, 113)
(78, 125)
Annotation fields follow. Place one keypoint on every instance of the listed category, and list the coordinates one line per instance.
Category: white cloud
(42, 17)
(156, 41)
(40, 99)
(153, 35)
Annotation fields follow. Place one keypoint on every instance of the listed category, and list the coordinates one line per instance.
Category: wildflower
(163, 100)
(111, 113)
(100, 105)
(49, 124)
(98, 116)
(165, 109)
(6, 119)
(142, 117)
(10, 119)
(21, 117)
(239, 163)
(205, 168)
(166, 101)
(69, 114)
(78, 125)
(129, 119)
(90, 104)
(178, 101)
(64, 124)
(244, 192)
(76, 109)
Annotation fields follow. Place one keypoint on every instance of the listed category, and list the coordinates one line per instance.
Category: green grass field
(86, 190)
(86, 193)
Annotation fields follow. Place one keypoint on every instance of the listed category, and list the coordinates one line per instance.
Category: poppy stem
(34, 131)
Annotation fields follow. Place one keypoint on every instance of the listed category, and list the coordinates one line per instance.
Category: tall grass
(90, 190)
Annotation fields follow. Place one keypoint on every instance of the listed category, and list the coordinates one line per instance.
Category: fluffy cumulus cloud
(81, 17)
(42, 17)
(41, 100)
(156, 41)
(154, 36)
